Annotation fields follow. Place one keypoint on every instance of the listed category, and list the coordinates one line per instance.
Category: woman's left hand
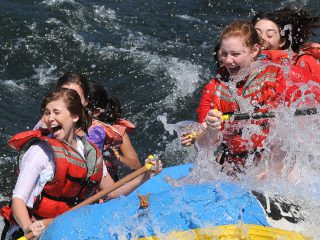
(37, 227)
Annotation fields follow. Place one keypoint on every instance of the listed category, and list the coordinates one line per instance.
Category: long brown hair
(101, 99)
(73, 103)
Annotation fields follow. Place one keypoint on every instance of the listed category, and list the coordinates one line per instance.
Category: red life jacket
(307, 58)
(283, 57)
(264, 90)
(74, 179)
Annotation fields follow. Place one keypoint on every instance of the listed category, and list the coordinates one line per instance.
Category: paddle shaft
(98, 195)
(247, 116)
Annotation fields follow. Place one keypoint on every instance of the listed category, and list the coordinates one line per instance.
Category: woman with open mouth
(58, 172)
(246, 84)
(109, 130)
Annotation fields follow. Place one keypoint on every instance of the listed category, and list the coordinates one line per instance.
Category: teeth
(55, 128)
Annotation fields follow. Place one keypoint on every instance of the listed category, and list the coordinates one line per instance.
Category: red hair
(241, 29)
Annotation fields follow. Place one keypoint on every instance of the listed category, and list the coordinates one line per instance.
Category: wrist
(26, 230)
(214, 136)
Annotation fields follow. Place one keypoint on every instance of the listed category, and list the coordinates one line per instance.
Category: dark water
(156, 56)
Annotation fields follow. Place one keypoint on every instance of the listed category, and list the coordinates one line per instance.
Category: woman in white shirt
(53, 170)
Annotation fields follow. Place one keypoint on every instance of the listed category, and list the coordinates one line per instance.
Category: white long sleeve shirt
(36, 169)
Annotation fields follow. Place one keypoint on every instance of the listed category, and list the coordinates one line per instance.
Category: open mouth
(56, 130)
(234, 70)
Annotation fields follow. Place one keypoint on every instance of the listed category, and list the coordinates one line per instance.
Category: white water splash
(45, 74)
(56, 2)
(103, 14)
(13, 85)
(291, 160)
(189, 18)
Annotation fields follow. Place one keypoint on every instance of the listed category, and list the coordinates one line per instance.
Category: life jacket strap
(71, 201)
(83, 181)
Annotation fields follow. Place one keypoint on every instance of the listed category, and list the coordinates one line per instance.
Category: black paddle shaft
(246, 116)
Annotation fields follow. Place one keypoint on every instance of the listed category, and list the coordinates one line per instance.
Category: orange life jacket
(114, 132)
(74, 180)
(114, 138)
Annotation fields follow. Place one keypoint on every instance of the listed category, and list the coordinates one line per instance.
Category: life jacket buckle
(73, 201)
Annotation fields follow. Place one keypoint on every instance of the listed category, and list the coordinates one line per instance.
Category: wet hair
(216, 55)
(110, 105)
(70, 77)
(114, 109)
(242, 29)
(301, 21)
(73, 103)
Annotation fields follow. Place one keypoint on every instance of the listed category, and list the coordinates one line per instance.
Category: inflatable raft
(158, 210)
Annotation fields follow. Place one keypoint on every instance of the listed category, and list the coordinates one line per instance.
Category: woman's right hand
(213, 120)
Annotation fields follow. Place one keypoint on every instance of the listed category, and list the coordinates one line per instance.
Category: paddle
(260, 115)
(100, 194)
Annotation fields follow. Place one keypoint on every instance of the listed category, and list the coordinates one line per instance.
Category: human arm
(206, 103)
(20, 214)
(133, 184)
(209, 134)
(34, 171)
(127, 155)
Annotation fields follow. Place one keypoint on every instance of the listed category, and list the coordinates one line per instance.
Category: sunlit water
(155, 56)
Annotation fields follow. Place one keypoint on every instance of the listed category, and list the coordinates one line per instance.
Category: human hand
(37, 227)
(213, 120)
(187, 139)
(156, 165)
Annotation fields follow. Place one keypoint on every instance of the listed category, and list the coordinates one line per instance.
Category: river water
(155, 56)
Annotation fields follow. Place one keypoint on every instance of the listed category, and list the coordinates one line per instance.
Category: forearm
(21, 214)
(127, 155)
(206, 138)
(132, 163)
(130, 186)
